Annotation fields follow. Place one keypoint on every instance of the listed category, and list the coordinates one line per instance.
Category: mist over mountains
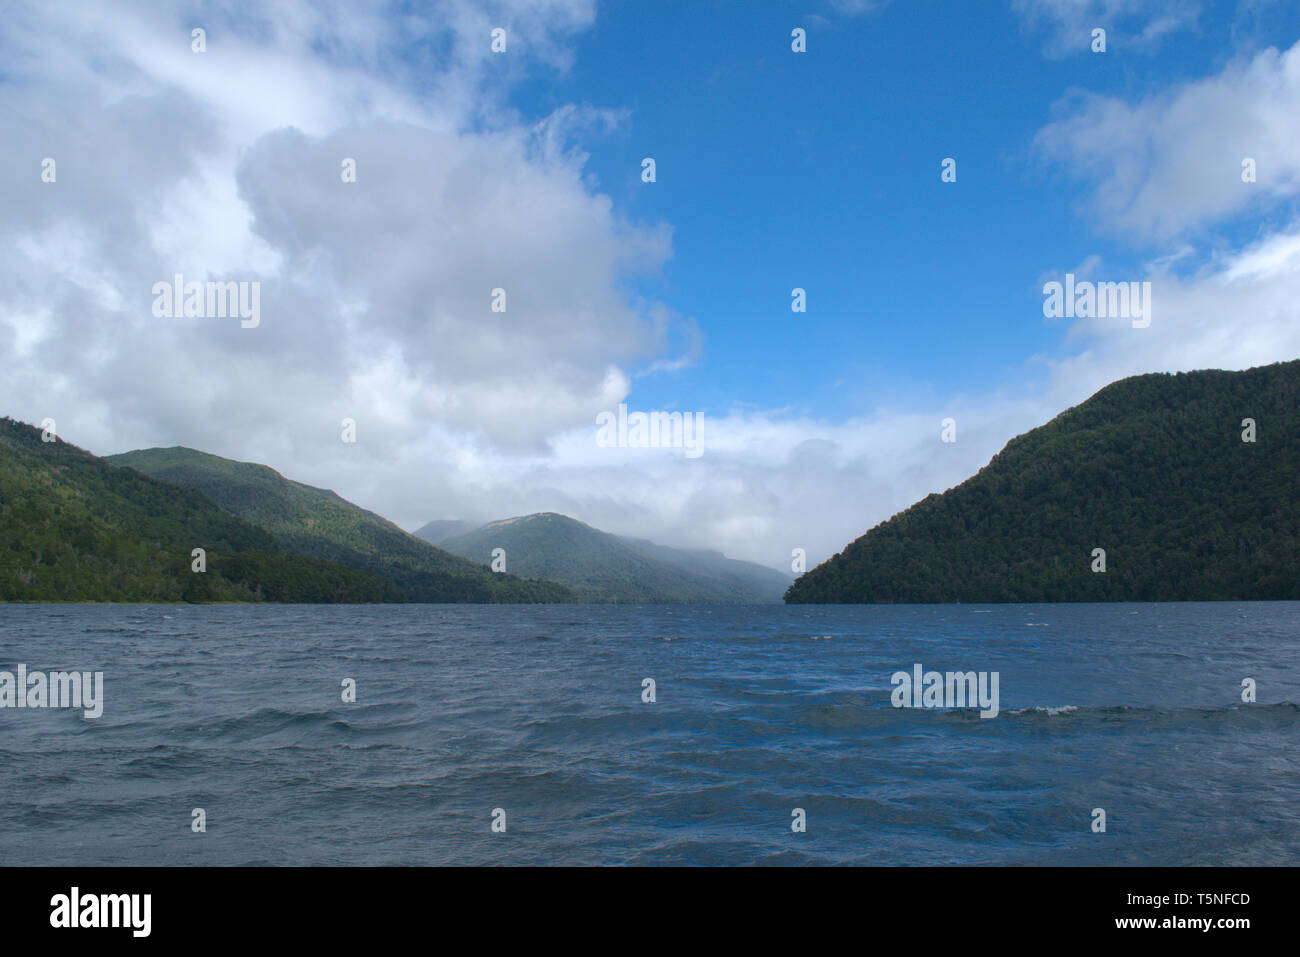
(599, 566)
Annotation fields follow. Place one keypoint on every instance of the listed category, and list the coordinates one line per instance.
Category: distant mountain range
(1152, 469)
(601, 567)
(318, 524)
(124, 528)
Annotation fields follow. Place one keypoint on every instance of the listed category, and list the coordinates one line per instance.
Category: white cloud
(226, 164)
(1173, 162)
(1129, 24)
(857, 8)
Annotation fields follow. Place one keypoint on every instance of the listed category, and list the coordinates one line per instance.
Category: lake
(536, 713)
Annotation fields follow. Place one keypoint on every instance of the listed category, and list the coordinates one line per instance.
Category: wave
(872, 710)
(373, 718)
(1283, 713)
(1049, 711)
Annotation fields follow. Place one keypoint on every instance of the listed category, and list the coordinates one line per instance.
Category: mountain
(317, 523)
(601, 567)
(1153, 469)
(76, 528)
(437, 532)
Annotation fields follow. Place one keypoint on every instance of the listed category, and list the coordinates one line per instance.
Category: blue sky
(521, 170)
(821, 170)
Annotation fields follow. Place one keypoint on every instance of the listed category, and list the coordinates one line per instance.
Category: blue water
(537, 710)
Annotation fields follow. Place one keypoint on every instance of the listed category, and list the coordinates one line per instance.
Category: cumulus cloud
(375, 295)
(1172, 162)
(434, 224)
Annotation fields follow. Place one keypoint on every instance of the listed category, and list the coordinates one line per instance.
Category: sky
(522, 170)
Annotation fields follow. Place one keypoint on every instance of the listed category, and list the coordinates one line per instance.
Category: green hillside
(1152, 469)
(601, 567)
(319, 524)
(75, 528)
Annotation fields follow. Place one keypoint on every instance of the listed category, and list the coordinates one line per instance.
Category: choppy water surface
(537, 710)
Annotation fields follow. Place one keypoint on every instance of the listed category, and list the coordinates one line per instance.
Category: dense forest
(74, 528)
(319, 524)
(1153, 469)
